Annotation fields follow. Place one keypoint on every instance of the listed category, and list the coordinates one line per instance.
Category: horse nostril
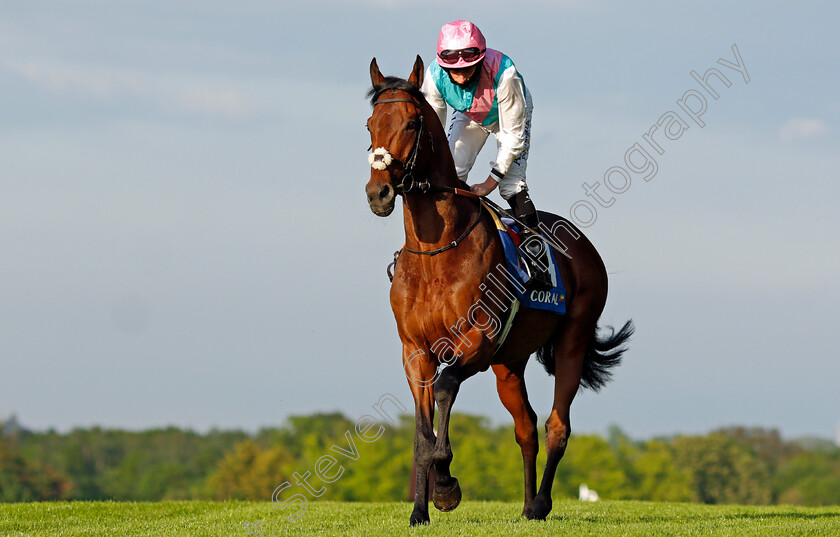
(384, 191)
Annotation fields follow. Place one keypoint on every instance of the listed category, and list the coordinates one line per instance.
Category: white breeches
(466, 138)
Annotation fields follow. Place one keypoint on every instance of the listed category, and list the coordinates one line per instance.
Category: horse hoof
(541, 509)
(447, 499)
(419, 517)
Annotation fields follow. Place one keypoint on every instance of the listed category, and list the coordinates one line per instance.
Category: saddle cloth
(553, 300)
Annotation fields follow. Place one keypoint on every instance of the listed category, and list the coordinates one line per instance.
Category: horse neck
(436, 218)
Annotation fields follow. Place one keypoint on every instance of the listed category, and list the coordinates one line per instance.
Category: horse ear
(416, 77)
(376, 77)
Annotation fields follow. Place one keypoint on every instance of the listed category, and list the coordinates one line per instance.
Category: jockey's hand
(486, 187)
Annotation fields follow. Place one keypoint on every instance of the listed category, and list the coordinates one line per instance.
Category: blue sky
(184, 237)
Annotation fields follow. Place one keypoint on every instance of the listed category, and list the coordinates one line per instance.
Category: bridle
(410, 183)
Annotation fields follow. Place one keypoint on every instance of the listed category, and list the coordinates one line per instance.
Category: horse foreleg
(424, 443)
(510, 383)
(569, 352)
(420, 374)
(447, 494)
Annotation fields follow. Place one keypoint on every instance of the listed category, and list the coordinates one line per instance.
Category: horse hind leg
(569, 352)
(510, 383)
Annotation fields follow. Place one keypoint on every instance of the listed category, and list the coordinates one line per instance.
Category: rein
(409, 183)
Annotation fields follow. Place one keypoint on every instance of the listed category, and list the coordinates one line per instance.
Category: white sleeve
(510, 95)
(433, 96)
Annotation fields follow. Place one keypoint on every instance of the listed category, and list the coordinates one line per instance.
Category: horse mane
(394, 83)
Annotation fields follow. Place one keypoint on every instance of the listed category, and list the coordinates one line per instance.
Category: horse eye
(412, 125)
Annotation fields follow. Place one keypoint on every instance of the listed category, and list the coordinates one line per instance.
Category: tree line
(732, 465)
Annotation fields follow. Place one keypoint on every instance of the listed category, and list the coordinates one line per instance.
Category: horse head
(397, 128)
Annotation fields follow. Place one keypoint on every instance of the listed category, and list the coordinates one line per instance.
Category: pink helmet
(457, 44)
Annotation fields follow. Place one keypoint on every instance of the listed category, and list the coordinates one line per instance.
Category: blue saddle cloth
(553, 300)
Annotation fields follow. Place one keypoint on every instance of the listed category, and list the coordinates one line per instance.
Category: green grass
(570, 518)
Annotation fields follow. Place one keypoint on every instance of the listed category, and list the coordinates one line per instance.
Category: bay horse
(448, 315)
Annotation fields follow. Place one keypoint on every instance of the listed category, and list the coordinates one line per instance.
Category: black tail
(602, 354)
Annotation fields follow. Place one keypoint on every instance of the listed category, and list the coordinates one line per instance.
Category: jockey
(488, 96)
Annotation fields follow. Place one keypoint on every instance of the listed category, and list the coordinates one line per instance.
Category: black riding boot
(533, 246)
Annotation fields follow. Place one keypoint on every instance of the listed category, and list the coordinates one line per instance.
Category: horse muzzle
(381, 198)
